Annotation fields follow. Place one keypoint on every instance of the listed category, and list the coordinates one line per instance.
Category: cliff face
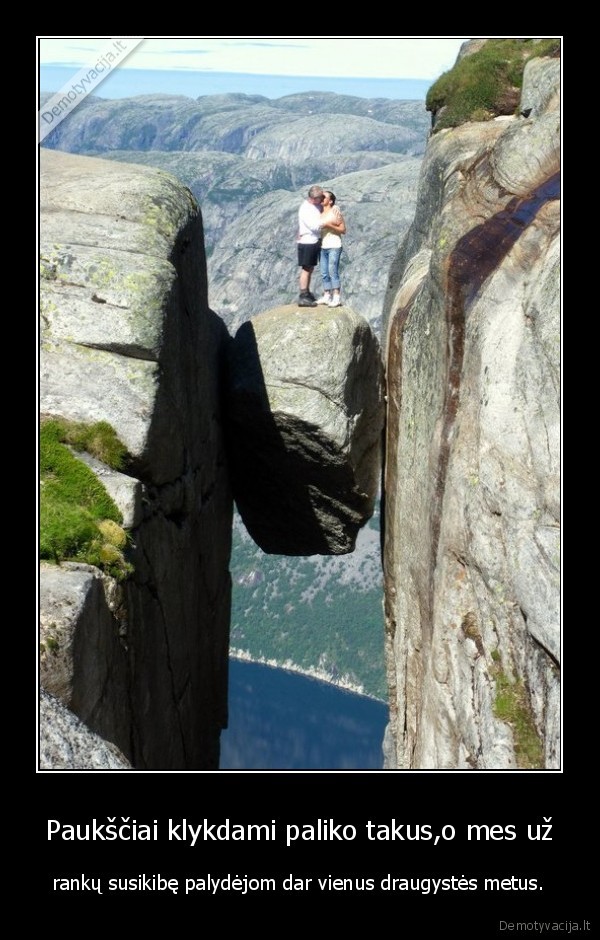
(127, 337)
(472, 469)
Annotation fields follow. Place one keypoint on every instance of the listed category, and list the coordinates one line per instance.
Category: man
(309, 242)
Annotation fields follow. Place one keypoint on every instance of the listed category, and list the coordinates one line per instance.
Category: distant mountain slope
(249, 160)
(160, 122)
(409, 114)
(315, 137)
(231, 123)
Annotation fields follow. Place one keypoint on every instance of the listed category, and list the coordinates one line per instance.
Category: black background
(564, 866)
(559, 865)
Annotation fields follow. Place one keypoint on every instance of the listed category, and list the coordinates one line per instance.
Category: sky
(421, 57)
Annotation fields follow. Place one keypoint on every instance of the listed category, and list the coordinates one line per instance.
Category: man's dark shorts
(308, 255)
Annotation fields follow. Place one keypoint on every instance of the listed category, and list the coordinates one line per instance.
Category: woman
(332, 228)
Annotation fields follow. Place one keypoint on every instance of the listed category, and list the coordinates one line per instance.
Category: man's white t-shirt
(309, 223)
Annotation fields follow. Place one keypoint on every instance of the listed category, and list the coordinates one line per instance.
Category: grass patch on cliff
(512, 706)
(99, 439)
(78, 519)
(487, 82)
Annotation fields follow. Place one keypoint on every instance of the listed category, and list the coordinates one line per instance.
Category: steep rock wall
(127, 337)
(472, 468)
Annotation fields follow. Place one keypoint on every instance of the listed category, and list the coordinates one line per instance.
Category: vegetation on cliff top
(485, 83)
(99, 439)
(78, 519)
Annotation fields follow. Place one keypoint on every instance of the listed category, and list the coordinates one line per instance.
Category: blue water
(281, 720)
(125, 83)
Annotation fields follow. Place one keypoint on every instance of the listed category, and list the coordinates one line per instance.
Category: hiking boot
(312, 296)
(305, 301)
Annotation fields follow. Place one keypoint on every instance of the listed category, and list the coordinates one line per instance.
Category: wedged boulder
(305, 423)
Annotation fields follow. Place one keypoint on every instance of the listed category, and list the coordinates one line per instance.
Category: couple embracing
(320, 227)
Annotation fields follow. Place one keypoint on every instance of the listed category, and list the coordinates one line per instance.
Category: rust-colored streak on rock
(480, 251)
(475, 256)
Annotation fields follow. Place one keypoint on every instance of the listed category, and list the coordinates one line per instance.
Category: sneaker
(312, 296)
(335, 301)
(325, 299)
(305, 301)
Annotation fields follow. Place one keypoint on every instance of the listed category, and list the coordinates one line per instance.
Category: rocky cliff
(127, 337)
(472, 536)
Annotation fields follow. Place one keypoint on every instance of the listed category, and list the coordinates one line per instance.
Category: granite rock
(305, 423)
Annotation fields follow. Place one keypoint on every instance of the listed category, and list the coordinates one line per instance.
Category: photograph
(300, 417)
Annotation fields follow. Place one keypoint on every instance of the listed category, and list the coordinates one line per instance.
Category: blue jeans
(330, 262)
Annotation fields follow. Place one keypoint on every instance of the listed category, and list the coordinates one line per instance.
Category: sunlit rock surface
(66, 743)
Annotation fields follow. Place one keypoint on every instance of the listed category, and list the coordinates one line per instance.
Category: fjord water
(280, 720)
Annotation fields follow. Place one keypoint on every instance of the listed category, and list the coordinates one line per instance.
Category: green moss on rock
(512, 705)
(78, 519)
(99, 439)
(485, 83)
